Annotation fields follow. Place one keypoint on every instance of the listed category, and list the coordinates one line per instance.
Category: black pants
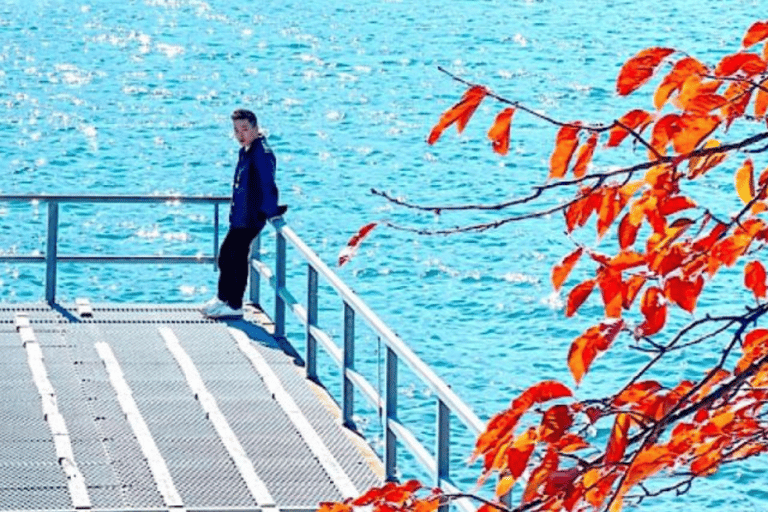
(233, 264)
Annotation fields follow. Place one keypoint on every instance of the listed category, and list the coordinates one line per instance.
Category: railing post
(254, 277)
(279, 285)
(390, 412)
(311, 354)
(348, 389)
(442, 449)
(215, 236)
(51, 251)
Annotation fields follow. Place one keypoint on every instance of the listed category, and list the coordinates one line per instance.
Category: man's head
(246, 127)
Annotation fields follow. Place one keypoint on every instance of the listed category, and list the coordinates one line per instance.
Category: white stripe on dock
(337, 474)
(155, 460)
(78, 491)
(243, 463)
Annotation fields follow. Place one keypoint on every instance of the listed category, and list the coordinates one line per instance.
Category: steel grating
(104, 445)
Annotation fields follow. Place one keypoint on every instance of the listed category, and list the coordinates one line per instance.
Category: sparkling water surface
(134, 97)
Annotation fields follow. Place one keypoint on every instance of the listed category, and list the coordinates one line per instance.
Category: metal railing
(447, 403)
(52, 256)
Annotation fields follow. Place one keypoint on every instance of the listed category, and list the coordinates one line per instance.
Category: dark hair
(246, 115)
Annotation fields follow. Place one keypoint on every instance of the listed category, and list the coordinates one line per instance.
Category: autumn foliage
(666, 249)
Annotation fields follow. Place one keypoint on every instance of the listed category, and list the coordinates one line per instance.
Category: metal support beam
(311, 350)
(50, 252)
(279, 286)
(254, 278)
(348, 389)
(390, 412)
(442, 450)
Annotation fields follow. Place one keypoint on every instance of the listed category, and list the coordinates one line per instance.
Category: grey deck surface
(106, 449)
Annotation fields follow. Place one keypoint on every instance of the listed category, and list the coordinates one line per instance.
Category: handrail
(396, 350)
(447, 401)
(52, 258)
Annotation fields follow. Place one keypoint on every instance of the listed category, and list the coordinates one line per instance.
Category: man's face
(245, 132)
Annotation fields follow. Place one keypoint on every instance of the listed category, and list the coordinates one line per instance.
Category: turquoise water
(134, 97)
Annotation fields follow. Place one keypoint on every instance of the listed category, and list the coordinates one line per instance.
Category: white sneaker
(222, 310)
(212, 304)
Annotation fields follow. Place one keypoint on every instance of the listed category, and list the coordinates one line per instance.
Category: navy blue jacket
(254, 192)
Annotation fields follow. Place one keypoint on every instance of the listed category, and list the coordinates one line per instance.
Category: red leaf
(664, 131)
(755, 278)
(761, 100)
(557, 419)
(654, 309)
(578, 295)
(520, 452)
(585, 156)
(676, 204)
(749, 63)
(499, 132)
(561, 270)
(635, 120)
(565, 144)
(617, 443)
(639, 69)
(756, 33)
(460, 113)
(539, 393)
(588, 346)
(684, 292)
(349, 251)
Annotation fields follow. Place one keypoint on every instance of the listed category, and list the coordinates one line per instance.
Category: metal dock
(131, 407)
(153, 407)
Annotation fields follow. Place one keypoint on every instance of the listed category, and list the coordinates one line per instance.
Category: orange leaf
(499, 132)
(749, 63)
(634, 393)
(654, 309)
(647, 462)
(611, 290)
(756, 33)
(627, 231)
(631, 288)
(698, 166)
(754, 278)
(539, 475)
(691, 130)
(682, 70)
(755, 347)
(460, 113)
(561, 270)
(565, 144)
(578, 295)
(664, 131)
(635, 120)
(639, 69)
(585, 156)
(588, 346)
(761, 100)
(617, 443)
(745, 181)
(705, 103)
(570, 443)
(738, 95)
(684, 292)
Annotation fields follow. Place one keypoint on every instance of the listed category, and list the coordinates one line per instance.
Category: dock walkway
(153, 407)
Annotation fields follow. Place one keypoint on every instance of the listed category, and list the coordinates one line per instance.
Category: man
(254, 200)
